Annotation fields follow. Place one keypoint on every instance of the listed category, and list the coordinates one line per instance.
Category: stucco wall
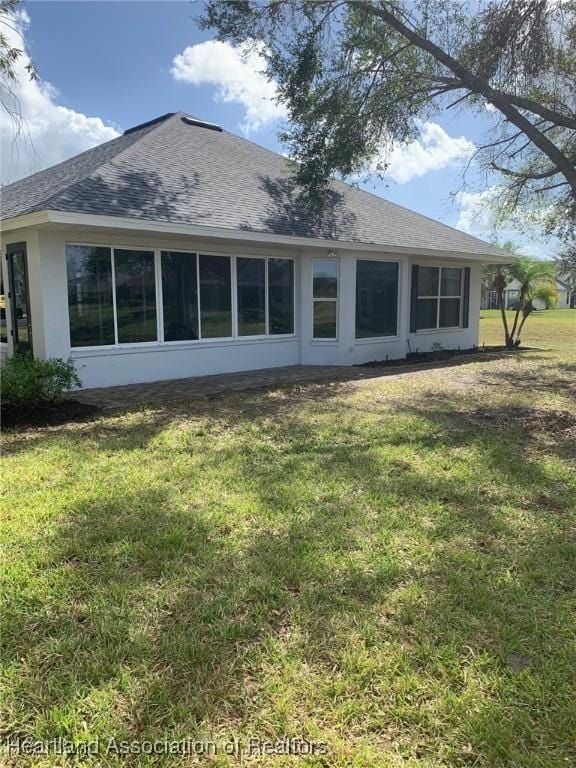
(138, 363)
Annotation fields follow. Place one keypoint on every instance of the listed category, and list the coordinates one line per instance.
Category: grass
(553, 328)
(386, 566)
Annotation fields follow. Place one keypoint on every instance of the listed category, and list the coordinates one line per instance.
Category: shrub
(547, 294)
(28, 382)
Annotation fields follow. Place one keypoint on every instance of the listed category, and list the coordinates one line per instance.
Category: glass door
(19, 296)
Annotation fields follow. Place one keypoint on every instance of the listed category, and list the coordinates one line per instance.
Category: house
(511, 296)
(180, 249)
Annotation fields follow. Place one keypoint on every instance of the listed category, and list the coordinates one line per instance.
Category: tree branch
(477, 85)
(525, 174)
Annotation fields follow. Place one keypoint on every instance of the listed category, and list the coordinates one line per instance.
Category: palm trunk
(499, 285)
(526, 313)
(514, 325)
(521, 305)
(507, 337)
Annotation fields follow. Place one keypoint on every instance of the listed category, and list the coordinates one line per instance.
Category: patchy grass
(387, 566)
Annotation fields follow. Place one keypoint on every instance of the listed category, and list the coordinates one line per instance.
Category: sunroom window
(215, 296)
(112, 296)
(251, 296)
(280, 296)
(135, 295)
(179, 296)
(90, 296)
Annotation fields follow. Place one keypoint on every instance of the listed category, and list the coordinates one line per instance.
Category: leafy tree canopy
(357, 76)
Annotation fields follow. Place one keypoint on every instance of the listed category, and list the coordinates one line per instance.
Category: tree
(547, 293)
(535, 278)
(566, 266)
(9, 56)
(357, 76)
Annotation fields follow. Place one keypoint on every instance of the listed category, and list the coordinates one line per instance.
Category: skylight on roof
(200, 123)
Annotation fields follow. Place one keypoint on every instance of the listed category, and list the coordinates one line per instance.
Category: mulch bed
(440, 355)
(48, 414)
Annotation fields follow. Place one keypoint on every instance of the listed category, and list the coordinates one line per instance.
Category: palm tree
(533, 275)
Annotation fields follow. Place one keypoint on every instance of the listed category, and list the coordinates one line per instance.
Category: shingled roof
(181, 170)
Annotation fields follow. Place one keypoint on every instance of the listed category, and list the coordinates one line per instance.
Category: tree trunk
(499, 285)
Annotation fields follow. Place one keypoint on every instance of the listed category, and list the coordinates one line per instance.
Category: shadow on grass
(319, 541)
(212, 394)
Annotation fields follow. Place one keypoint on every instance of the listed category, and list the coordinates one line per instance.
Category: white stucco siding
(131, 363)
(347, 349)
(102, 369)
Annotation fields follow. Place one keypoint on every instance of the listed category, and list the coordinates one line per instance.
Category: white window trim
(160, 342)
(389, 336)
(440, 296)
(334, 300)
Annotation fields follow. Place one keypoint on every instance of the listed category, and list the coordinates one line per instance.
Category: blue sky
(106, 66)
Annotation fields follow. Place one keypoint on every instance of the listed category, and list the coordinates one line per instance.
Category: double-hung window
(439, 298)
(325, 298)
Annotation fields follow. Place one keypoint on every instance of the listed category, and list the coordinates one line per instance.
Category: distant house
(179, 249)
(512, 296)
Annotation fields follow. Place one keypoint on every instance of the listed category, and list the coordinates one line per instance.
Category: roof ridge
(153, 129)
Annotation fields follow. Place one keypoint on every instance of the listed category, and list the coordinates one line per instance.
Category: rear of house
(180, 249)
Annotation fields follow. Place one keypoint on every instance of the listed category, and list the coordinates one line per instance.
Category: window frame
(388, 337)
(160, 341)
(439, 296)
(327, 299)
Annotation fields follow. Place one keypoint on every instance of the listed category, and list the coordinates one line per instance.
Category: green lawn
(386, 566)
(553, 328)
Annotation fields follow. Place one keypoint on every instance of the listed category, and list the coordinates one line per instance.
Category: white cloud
(238, 74)
(50, 132)
(479, 216)
(432, 151)
(478, 213)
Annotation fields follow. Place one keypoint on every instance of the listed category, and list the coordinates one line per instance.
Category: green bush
(27, 382)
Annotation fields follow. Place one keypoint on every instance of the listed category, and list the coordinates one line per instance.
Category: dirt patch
(48, 414)
(529, 419)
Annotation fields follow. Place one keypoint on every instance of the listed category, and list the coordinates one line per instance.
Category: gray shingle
(174, 171)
